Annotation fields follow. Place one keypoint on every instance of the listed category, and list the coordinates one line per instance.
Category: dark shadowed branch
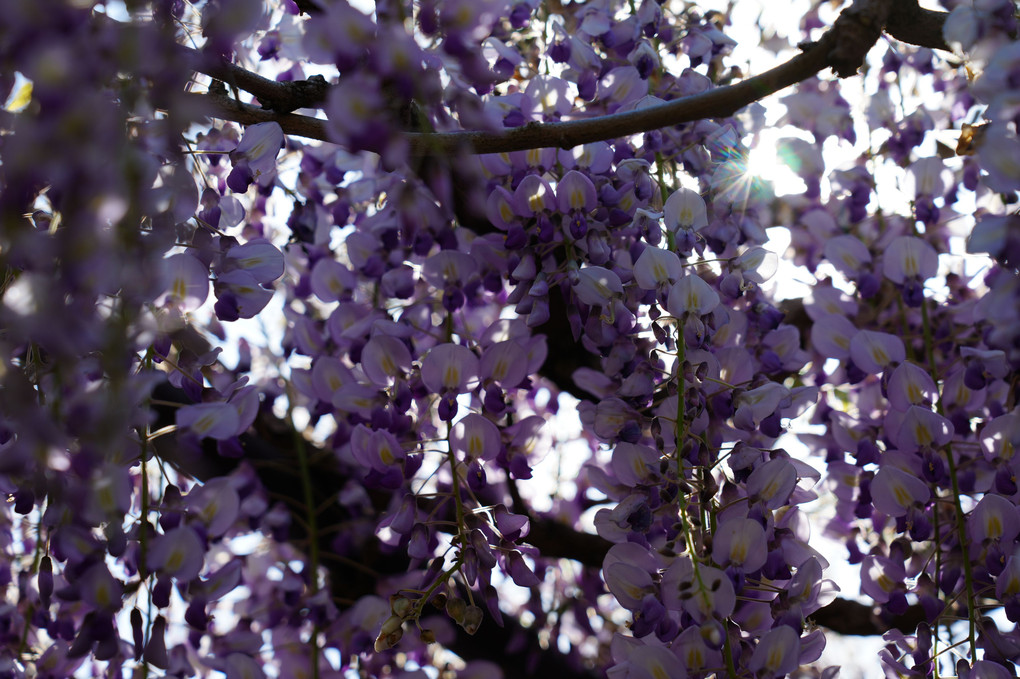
(842, 48)
(269, 449)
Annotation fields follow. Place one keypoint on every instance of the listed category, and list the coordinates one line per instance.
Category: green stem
(961, 529)
(311, 519)
(731, 669)
(443, 577)
(452, 459)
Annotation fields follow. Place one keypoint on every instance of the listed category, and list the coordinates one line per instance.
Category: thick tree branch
(275, 96)
(717, 103)
(909, 22)
(842, 48)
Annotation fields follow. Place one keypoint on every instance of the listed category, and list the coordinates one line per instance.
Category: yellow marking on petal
(903, 498)
(175, 561)
(20, 99)
(776, 655)
(204, 423)
(210, 511)
(993, 526)
(179, 289)
(506, 212)
(923, 435)
(910, 265)
(104, 597)
(577, 199)
(451, 377)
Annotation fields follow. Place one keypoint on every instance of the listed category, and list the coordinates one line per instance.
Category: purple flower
(691, 295)
(213, 420)
(881, 577)
(378, 449)
(178, 553)
(740, 542)
(994, 519)
(534, 195)
(772, 483)
(330, 280)
(239, 295)
(873, 351)
(259, 146)
(384, 358)
(705, 594)
(475, 437)
(910, 385)
(99, 589)
(216, 504)
(187, 282)
(923, 429)
(449, 368)
(831, 335)
(894, 491)
(685, 210)
(777, 653)
(519, 571)
(597, 286)
(258, 257)
(849, 255)
(633, 464)
(505, 363)
(655, 269)
(908, 261)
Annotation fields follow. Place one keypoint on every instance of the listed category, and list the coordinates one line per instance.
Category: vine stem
(313, 533)
(681, 434)
(452, 459)
(961, 530)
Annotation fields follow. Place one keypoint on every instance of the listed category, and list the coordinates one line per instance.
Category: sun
(767, 161)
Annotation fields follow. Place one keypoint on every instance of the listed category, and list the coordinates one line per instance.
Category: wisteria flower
(909, 261)
(873, 351)
(187, 284)
(740, 542)
(178, 553)
(894, 491)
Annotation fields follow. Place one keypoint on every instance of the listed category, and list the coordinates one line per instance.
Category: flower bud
(390, 634)
(401, 606)
(472, 619)
(456, 608)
